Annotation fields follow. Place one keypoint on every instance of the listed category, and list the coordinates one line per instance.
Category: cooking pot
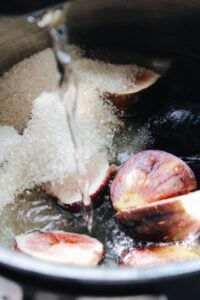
(152, 33)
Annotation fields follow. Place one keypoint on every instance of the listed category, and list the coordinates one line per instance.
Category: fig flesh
(68, 194)
(61, 247)
(157, 255)
(193, 162)
(150, 176)
(173, 219)
(124, 100)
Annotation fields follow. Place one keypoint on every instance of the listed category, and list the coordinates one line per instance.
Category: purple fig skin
(96, 197)
(169, 220)
(150, 176)
(156, 255)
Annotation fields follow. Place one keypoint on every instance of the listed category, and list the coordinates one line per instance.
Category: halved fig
(193, 162)
(168, 220)
(124, 99)
(114, 82)
(61, 247)
(68, 194)
(179, 84)
(157, 255)
(150, 176)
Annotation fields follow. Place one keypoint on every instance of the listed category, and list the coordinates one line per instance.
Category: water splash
(55, 21)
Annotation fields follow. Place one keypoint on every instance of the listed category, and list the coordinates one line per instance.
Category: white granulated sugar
(22, 84)
(97, 119)
(105, 76)
(47, 143)
(74, 51)
(39, 155)
(8, 138)
(44, 153)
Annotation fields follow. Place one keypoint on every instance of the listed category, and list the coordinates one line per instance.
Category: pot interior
(108, 32)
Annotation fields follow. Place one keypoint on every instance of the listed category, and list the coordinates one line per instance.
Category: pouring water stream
(55, 21)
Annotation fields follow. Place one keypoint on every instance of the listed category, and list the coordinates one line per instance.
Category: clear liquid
(34, 210)
(55, 21)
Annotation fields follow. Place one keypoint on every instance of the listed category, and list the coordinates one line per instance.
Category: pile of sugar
(31, 158)
(44, 152)
(22, 84)
(97, 119)
(103, 76)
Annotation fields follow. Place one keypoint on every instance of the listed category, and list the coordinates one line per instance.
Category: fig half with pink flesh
(124, 99)
(157, 255)
(68, 194)
(173, 219)
(150, 176)
(61, 247)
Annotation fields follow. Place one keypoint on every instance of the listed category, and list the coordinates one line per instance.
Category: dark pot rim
(13, 263)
